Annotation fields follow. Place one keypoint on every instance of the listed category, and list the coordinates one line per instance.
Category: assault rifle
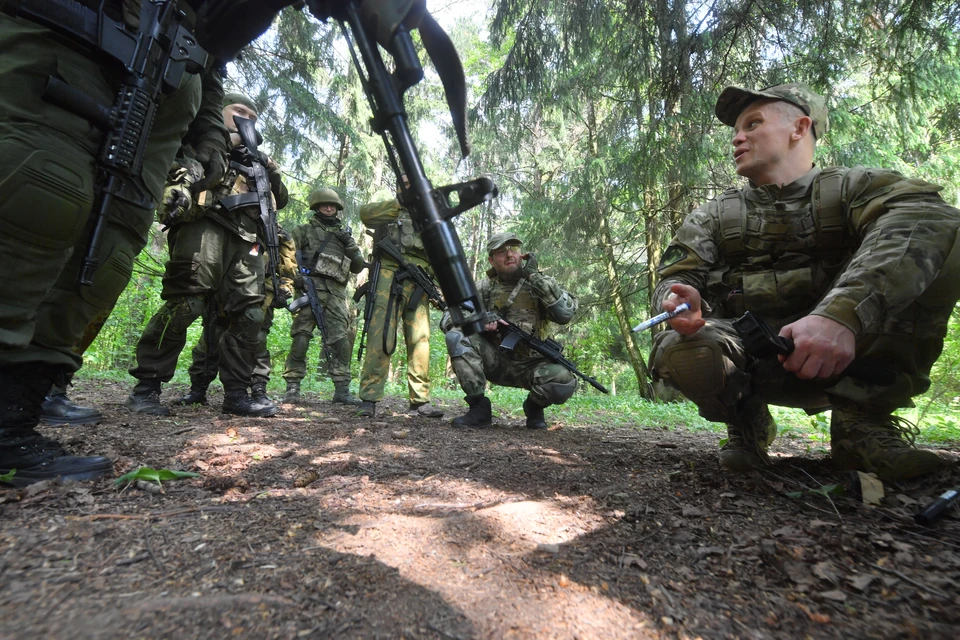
(310, 297)
(424, 283)
(549, 348)
(369, 289)
(252, 167)
(761, 342)
(424, 286)
(155, 58)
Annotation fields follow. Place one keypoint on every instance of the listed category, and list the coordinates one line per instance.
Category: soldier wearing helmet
(330, 255)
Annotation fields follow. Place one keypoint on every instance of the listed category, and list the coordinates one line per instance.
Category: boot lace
(888, 431)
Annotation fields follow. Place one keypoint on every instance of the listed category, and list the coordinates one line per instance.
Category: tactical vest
(402, 234)
(779, 260)
(515, 302)
(324, 253)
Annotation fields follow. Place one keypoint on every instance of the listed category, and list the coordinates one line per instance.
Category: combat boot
(425, 409)
(24, 453)
(367, 409)
(196, 395)
(748, 438)
(534, 413)
(292, 394)
(238, 403)
(258, 391)
(880, 443)
(342, 395)
(145, 398)
(479, 416)
(57, 409)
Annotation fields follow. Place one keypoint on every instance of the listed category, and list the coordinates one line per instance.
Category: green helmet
(325, 196)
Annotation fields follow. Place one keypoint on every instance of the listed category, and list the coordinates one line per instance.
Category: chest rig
(778, 257)
(402, 234)
(325, 253)
(515, 302)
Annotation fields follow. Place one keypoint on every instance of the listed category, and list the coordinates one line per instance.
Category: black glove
(343, 235)
(212, 154)
(280, 300)
(530, 267)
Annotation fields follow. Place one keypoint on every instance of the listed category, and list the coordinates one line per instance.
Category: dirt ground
(320, 524)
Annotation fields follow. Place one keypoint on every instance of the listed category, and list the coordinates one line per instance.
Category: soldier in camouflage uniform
(206, 353)
(215, 250)
(47, 191)
(391, 220)
(517, 291)
(330, 255)
(857, 263)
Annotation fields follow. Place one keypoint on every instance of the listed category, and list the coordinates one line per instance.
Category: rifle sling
(392, 318)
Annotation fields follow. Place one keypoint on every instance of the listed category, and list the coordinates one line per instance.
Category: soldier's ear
(802, 127)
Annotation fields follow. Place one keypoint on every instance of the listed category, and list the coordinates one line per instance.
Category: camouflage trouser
(47, 173)
(337, 319)
(711, 368)
(475, 360)
(205, 357)
(416, 335)
(206, 259)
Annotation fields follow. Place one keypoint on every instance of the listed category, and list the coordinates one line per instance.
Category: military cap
(733, 100)
(498, 240)
(238, 98)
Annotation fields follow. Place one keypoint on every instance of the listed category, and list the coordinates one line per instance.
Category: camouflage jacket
(329, 254)
(847, 244)
(530, 302)
(390, 219)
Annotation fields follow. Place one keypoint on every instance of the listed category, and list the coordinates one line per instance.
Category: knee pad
(457, 343)
(558, 392)
(695, 367)
(248, 323)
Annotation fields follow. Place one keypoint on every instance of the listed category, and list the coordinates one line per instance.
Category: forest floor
(319, 524)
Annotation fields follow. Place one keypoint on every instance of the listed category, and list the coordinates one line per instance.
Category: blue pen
(666, 315)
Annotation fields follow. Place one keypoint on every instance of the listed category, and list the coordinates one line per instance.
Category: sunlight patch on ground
(474, 560)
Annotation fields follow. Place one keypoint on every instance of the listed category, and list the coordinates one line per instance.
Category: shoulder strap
(732, 222)
(828, 208)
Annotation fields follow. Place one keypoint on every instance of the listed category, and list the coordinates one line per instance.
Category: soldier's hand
(823, 348)
(176, 202)
(343, 235)
(688, 322)
(212, 154)
(530, 264)
(280, 301)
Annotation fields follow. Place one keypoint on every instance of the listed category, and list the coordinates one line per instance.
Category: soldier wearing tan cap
(849, 263)
(515, 289)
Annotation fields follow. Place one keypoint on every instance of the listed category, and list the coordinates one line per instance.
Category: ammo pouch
(401, 234)
(778, 293)
(336, 268)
